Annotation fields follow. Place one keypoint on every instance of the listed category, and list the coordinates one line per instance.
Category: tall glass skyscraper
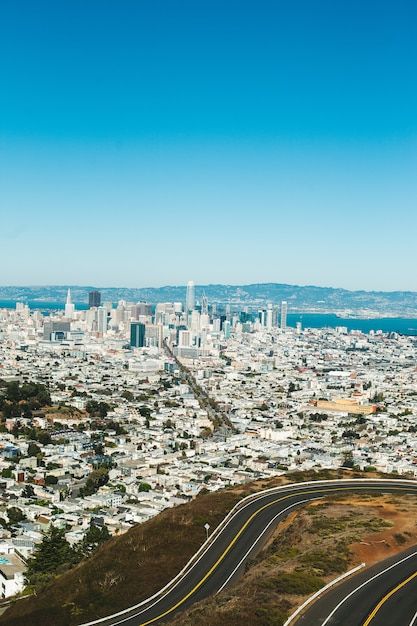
(137, 335)
(190, 297)
(94, 299)
(283, 314)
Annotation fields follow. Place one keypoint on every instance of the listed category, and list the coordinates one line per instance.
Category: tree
(94, 537)
(96, 479)
(53, 552)
(28, 491)
(378, 397)
(291, 388)
(15, 515)
(33, 449)
(350, 434)
(99, 448)
(13, 392)
(43, 437)
(50, 479)
(97, 409)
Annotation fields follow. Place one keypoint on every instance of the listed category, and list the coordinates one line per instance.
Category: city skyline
(144, 143)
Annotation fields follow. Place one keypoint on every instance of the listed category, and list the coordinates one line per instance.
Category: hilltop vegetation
(21, 400)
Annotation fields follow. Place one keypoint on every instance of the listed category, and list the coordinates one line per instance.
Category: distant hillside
(299, 298)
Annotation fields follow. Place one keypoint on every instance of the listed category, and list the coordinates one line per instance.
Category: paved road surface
(383, 595)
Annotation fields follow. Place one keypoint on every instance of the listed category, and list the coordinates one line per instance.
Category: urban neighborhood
(111, 414)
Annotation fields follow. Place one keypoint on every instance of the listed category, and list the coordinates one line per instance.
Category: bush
(299, 583)
(325, 562)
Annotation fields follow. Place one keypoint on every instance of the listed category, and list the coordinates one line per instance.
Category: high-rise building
(120, 312)
(94, 299)
(69, 307)
(269, 316)
(194, 320)
(137, 335)
(144, 308)
(102, 317)
(204, 305)
(184, 338)
(153, 335)
(190, 297)
(283, 314)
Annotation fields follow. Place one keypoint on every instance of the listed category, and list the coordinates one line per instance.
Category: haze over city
(142, 143)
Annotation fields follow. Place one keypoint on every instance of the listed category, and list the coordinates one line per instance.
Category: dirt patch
(377, 546)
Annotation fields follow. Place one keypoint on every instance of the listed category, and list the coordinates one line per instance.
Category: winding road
(240, 536)
(383, 595)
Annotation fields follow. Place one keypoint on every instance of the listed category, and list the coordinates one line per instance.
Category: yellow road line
(385, 598)
(231, 544)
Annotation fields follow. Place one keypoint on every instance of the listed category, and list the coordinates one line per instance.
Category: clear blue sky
(152, 142)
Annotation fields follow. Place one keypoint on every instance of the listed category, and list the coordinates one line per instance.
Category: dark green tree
(34, 449)
(52, 554)
(50, 479)
(43, 437)
(15, 515)
(13, 392)
(94, 537)
(28, 491)
(97, 409)
(96, 479)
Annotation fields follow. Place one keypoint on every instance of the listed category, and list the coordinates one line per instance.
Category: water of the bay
(403, 326)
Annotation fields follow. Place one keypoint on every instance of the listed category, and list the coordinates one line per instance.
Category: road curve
(238, 538)
(383, 595)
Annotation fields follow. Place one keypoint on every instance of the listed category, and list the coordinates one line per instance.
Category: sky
(146, 143)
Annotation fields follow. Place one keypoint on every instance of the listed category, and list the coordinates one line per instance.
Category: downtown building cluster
(194, 398)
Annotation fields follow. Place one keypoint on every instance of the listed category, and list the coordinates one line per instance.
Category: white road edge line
(413, 621)
(326, 621)
(255, 542)
(322, 590)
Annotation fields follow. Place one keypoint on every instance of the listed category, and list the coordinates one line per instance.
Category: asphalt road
(383, 595)
(239, 540)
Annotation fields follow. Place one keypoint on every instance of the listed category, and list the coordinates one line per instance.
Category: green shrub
(326, 562)
(299, 583)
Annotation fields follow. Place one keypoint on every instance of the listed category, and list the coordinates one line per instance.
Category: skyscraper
(190, 297)
(137, 335)
(102, 316)
(69, 307)
(204, 305)
(269, 316)
(283, 314)
(94, 299)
